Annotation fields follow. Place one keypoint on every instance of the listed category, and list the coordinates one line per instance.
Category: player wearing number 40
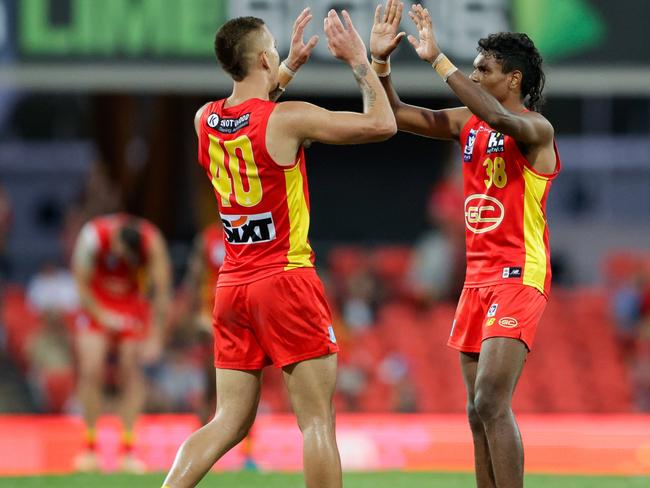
(509, 160)
(269, 303)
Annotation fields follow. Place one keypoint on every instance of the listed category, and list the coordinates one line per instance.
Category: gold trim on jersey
(534, 226)
(299, 255)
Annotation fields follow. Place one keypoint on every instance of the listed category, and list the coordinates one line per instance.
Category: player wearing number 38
(509, 160)
(270, 306)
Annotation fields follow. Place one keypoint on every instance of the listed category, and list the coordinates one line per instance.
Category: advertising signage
(566, 31)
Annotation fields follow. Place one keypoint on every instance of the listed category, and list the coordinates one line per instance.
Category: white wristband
(287, 70)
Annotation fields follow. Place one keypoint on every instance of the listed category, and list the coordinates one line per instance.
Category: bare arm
(529, 128)
(303, 121)
(384, 38)
(438, 124)
(159, 269)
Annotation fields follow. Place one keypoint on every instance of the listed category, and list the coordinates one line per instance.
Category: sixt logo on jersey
(228, 126)
(495, 143)
(469, 145)
(248, 229)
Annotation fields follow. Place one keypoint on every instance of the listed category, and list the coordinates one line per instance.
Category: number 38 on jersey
(495, 170)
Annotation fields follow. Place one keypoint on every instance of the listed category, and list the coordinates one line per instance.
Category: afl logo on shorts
(483, 213)
(213, 120)
(508, 322)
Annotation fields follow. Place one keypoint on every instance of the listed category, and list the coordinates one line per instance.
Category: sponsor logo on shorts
(490, 322)
(493, 310)
(330, 331)
(508, 322)
(511, 272)
(228, 126)
(483, 213)
(248, 229)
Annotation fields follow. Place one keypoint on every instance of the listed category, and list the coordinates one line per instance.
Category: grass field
(352, 480)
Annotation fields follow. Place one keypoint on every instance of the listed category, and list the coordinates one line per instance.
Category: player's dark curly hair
(231, 44)
(516, 51)
(131, 235)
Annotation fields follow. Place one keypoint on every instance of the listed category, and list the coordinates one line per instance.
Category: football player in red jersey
(205, 262)
(509, 160)
(117, 259)
(270, 306)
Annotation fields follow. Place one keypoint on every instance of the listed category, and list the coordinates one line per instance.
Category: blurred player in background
(509, 161)
(205, 261)
(270, 305)
(123, 274)
(208, 253)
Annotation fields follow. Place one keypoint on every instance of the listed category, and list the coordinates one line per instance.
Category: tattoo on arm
(369, 95)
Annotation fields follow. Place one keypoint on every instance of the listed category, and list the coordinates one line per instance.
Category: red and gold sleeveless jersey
(214, 253)
(264, 207)
(114, 280)
(506, 231)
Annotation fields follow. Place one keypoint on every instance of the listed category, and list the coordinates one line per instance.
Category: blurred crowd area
(392, 309)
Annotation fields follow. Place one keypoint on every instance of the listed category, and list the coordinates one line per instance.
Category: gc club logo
(483, 213)
(508, 322)
(213, 120)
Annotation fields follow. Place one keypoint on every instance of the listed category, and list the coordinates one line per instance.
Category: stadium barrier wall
(580, 444)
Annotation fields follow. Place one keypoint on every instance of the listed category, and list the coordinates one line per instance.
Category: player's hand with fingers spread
(344, 42)
(299, 52)
(384, 36)
(426, 45)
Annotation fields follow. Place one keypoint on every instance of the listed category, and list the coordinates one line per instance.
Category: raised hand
(299, 52)
(384, 36)
(426, 45)
(344, 41)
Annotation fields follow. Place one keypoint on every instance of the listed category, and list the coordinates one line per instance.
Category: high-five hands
(426, 45)
(299, 52)
(344, 41)
(384, 36)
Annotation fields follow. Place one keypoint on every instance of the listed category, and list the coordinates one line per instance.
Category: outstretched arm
(303, 121)
(384, 38)
(528, 127)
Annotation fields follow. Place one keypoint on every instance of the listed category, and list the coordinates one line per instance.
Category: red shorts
(137, 318)
(281, 319)
(496, 311)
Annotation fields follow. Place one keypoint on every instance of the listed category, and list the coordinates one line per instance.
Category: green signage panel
(118, 28)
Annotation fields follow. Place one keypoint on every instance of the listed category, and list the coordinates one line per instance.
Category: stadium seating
(575, 366)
